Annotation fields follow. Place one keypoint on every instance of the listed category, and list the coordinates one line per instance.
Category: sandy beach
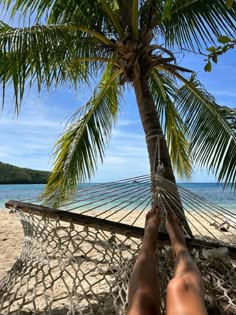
(11, 240)
(92, 259)
(11, 235)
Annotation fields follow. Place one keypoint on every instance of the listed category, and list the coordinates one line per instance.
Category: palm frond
(4, 27)
(96, 15)
(113, 18)
(125, 13)
(211, 129)
(163, 88)
(194, 23)
(46, 55)
(135, 19)
(151, 14)
(83, 144)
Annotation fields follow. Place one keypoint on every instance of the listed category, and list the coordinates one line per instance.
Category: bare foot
(176, 234)
(152, 224)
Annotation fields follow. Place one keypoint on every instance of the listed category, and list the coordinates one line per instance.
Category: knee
(186, 283)
(177, 284)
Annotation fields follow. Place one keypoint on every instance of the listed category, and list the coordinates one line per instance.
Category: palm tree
(123, 43)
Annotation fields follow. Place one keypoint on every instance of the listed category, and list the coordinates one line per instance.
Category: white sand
(11, 239)
(11, 235)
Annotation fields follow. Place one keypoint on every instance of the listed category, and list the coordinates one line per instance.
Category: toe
(168, 217)
(149, 214)
(156, 210)
(176, 220)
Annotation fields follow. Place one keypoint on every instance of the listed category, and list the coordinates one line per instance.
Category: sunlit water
(210, 191)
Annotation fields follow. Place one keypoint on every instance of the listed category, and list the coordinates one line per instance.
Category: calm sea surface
(210, 191)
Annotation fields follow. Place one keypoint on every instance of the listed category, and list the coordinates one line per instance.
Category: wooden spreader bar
(110, 226)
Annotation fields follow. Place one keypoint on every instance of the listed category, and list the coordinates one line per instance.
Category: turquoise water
(210, 191)
(19, 192)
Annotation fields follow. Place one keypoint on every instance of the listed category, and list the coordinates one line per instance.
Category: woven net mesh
(68, 268)
(72, 268)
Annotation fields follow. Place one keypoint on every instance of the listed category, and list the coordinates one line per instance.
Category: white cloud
(118, 133)
(133, 150)
(115, 160)
(33, 122)
(128, 122)
(28, 141)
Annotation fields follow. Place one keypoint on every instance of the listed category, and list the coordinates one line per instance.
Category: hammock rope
(77, 259)
(133, 197)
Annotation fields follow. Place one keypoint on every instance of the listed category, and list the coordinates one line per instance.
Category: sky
(28, 140)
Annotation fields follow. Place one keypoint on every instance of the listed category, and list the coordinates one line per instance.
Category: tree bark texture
(152, 128)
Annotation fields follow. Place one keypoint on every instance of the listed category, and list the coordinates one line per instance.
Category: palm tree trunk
(152, 128)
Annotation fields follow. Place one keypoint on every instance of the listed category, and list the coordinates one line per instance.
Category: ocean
(210, 191)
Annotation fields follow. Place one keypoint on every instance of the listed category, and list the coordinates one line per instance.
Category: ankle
(149, 247)
(179, 249)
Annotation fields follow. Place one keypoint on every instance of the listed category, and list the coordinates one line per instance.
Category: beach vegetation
(225, 43)
(11, 174)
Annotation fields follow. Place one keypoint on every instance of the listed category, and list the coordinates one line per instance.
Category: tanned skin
(185, 291)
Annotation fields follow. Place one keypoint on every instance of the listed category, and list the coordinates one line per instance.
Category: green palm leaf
(48, 56)
(135, 19)
(192, 23)
(81, 146)
(163, 88)
(119, 33)
(110, 12)
(211, 129)
(91, 14)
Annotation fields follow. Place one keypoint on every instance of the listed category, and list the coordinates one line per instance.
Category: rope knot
(160, 170)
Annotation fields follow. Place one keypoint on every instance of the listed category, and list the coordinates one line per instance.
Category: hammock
(77, 259)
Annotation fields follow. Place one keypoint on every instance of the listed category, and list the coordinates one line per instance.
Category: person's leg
(185, 292)
(144, 292)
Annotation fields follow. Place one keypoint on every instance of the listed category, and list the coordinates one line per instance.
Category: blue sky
(28, 140)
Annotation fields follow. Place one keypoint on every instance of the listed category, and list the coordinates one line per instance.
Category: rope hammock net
(77, 259)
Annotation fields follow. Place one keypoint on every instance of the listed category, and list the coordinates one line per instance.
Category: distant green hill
(10, 174)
